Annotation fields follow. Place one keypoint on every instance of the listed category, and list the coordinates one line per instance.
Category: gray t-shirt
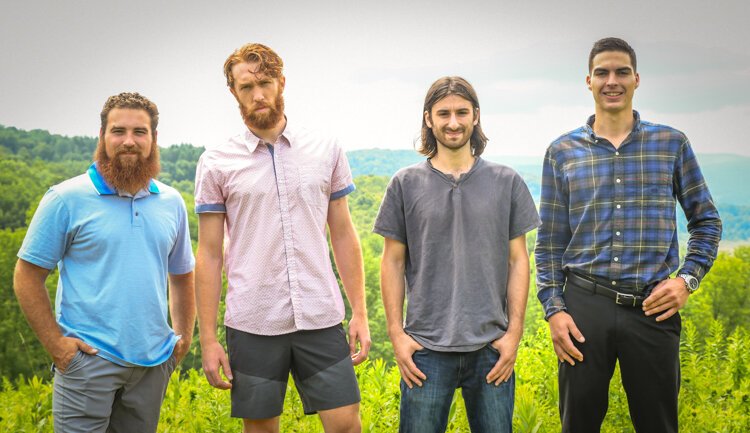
(457, 236)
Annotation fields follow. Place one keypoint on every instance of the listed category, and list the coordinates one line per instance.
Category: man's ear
(427, 119)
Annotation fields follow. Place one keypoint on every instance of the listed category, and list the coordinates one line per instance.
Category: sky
(360, 70)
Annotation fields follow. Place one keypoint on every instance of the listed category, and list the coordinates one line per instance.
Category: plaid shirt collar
(588, 128)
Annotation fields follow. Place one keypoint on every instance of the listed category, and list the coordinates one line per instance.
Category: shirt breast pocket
(657, 184)
(314, 184)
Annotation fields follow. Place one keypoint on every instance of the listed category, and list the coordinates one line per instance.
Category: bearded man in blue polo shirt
(117, 237)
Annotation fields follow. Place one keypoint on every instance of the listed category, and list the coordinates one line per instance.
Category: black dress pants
(648, 352)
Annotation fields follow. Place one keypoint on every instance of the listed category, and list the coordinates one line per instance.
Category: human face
(128, 136)
(260, 96)
(613, 81)
(452, 120)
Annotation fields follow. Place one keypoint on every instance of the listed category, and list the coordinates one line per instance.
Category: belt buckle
(625, 299)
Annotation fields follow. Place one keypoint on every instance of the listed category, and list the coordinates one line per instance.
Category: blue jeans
(425, 409)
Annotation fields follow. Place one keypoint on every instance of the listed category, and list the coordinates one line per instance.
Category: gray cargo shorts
(96, 395)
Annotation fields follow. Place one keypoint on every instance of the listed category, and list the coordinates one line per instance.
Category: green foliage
(178, 164)
(715, 394)
(723, 292)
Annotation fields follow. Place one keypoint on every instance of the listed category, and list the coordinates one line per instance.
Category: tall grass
(715, 394)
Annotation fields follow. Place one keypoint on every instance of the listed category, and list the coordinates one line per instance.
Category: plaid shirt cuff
(552, 305)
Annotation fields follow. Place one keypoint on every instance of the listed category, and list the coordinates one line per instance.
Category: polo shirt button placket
(136, 213)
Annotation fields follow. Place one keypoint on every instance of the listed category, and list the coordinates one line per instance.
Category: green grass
(715, 394)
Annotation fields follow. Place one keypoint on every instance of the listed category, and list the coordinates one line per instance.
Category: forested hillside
(716, 388)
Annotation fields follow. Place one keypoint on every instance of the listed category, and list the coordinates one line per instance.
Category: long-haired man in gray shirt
(455, 243)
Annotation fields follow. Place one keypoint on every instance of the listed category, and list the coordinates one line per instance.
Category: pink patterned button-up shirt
(275, 197)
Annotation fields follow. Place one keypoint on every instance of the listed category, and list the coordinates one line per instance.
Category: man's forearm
(207, 294)
(518, 292)
(348, 256)
(553, 237)
(28, 284)
(182, 304)
(550, 276)
(393, 289)
(702, 245)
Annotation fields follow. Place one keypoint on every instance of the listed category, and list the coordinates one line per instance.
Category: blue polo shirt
(113, 252)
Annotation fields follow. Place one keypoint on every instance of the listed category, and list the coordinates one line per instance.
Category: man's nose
(129, 140)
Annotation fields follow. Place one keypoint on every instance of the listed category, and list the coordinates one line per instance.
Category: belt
(626, 299)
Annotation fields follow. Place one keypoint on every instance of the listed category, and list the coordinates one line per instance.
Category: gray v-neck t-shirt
(457, 234)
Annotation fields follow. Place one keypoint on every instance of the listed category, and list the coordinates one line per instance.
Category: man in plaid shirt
(608, 245)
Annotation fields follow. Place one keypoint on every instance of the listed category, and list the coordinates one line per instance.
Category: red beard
(125, 175)
(267, 120)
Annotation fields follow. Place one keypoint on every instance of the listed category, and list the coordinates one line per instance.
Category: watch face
(691, 282)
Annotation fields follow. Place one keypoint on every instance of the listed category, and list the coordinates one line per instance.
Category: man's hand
(668, 296)
(507, 346)
(562, 326)
(404, 347)
(359, 331)
(65, 350)
(181, 348)
(214, 358)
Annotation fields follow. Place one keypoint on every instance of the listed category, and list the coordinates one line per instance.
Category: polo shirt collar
(589, 127)
(253, 141)
(103, 188)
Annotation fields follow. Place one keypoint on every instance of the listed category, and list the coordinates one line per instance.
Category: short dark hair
(441, 88)
(612, 44)
(132, 100)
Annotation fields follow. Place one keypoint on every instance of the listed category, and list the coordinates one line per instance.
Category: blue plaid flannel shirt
(611, 213)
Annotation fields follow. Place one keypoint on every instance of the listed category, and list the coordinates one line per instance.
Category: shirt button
(618, 180)
(136, 214)
(618, 206)
(617, 259)
(617, 153)
(617, 233)
(614, 283)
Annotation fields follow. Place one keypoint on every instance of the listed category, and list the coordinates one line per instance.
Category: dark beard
(130, 177)
(264, 121)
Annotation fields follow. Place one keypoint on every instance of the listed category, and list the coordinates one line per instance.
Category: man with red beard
(273, 190)
(117, 236)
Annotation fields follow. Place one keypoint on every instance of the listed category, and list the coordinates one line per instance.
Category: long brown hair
(440, 89)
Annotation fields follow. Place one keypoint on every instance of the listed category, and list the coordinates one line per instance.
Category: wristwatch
(691, 283)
